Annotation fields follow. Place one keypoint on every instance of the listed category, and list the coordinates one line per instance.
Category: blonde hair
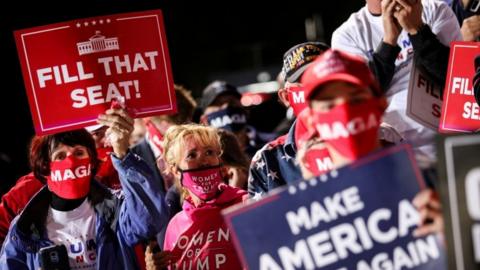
(175, 137)
(174, 143)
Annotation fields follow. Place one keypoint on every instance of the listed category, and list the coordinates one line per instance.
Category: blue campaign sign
(359, 217)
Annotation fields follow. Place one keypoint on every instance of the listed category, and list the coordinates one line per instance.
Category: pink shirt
(198, 236)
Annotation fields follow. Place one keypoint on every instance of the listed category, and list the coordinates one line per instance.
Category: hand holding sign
(120, 126)
(157, 259)
(357, 217)
(430, 210)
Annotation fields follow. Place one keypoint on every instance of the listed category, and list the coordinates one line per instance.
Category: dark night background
(231, 40)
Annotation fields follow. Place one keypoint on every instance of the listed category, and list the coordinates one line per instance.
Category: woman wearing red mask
(94, 227)
(198, 235)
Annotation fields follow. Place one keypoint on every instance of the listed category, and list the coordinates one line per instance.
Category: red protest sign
(460, 111)
(73, 70)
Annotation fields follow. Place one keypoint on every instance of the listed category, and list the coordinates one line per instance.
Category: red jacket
(199, 236)
(15, 200)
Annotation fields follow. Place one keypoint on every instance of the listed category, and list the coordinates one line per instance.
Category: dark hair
(185, 108)
(41, 149)
(232, 154)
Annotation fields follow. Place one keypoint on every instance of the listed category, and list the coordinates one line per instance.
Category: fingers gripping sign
(120, 127)
(156, 259)
(471, 28)
(429, 207)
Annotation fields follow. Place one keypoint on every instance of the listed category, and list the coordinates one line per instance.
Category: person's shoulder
(269, 147)
(28, 181)
(139, 146)
(174, 228)
(433, 7)
(234, 194)
(437, 3)
(353, 24)
(279, 141)
(21, 193)
(178, 222)
(355, 18)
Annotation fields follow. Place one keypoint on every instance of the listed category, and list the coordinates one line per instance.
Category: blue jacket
(274, 165)
(122, 220)
(145, 152)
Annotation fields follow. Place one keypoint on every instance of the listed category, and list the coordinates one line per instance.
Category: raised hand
(391, 27)
(409, 15)
(156, 260)
(471, 28)
(430, 210)
(120, 126)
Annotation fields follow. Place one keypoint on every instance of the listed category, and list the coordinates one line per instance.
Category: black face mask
(231, 119)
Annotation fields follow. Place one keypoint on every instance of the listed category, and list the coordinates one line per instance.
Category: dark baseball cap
(215, 89)
(297, 59)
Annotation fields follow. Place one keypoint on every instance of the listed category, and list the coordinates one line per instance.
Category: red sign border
(446, 93)
(27, 74)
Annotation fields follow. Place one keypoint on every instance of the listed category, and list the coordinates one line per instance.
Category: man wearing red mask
(345, 106)
(345, 110)
(274, 165)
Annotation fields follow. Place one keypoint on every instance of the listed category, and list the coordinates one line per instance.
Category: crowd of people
(148, 193)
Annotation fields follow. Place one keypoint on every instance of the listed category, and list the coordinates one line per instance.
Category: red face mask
(296, 98)
(103, 153)
(155, 136)
(202, 182)
(351, 129)
(70, 178)
(318, 161)
(302, 132)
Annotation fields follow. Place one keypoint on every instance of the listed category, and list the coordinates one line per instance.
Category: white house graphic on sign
(97, 43)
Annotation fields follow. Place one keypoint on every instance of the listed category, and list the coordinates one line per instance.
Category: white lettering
(298, 97)
(79, 101)
(338, 129)
(325, 164)
(344, 238)
(43, 76)
(332, 209)
(95, 95)
(322, 249)
(373, 228)
(407, 217)
(79, 172)
(106, 64)
(219, 260)
(299, 258)
(123, 64)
